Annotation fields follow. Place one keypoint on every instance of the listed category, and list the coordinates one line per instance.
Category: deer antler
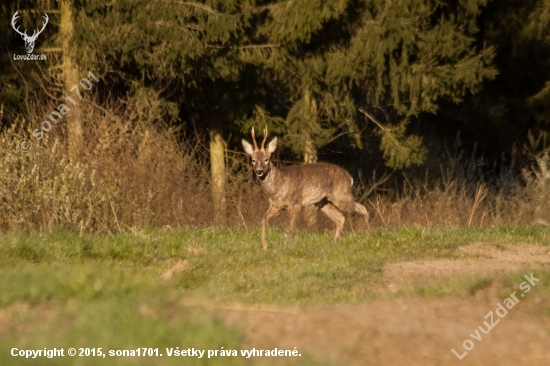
(265, 137)
(254, 139)
(46, 18)
(13, 20)
(24, 34)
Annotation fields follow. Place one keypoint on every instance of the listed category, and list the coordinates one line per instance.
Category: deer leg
(271, 211)
(336, 216)
(349, 205)
(360, 209)
(293, 216)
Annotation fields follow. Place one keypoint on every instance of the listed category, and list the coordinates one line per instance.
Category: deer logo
(290, 188)
(29, 40)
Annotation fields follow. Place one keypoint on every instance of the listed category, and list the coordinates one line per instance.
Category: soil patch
(483, 259)
(413, 331)
(397, 332)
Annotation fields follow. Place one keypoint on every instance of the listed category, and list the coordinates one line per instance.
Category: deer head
(29, 41)
(260, 157)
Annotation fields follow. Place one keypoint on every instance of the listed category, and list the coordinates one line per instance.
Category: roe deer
(291, 187)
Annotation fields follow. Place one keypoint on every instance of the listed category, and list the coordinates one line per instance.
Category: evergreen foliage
(516, 101)
(306, 67)
(403, 56)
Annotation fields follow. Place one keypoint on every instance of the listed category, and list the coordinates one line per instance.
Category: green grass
(62, 290)
(225, 264)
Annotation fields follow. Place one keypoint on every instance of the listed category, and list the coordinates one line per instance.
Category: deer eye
(253, 161)
(266, 160)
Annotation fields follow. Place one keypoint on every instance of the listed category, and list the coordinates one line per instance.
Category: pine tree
(401, 57)
(517, 100)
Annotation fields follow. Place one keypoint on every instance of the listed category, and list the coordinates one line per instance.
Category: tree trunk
(71, 78)
(310, 153)
(217, 169)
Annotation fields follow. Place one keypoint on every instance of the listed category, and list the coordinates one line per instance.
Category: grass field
(154, 288)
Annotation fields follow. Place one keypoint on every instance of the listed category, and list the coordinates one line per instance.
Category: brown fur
(292, 187)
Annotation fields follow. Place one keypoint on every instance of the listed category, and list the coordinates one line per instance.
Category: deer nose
(259, 171)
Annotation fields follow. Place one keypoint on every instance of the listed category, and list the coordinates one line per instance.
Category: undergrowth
(133, 172)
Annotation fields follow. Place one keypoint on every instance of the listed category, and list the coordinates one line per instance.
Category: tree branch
(268, 45)
(204, 7)
(381, 127)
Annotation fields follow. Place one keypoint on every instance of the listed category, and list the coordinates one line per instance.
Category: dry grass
(130, 173)
(463, 203)
(135, 172)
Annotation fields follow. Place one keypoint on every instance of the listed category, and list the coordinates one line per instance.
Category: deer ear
(272, 146)
(247, 146)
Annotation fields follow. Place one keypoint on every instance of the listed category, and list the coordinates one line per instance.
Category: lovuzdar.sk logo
(29, 40)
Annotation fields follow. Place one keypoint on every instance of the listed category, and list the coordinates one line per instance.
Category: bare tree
(71, 76)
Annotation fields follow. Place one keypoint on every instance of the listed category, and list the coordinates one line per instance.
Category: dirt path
(398, 332)
(482, 259)
(409, 331)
